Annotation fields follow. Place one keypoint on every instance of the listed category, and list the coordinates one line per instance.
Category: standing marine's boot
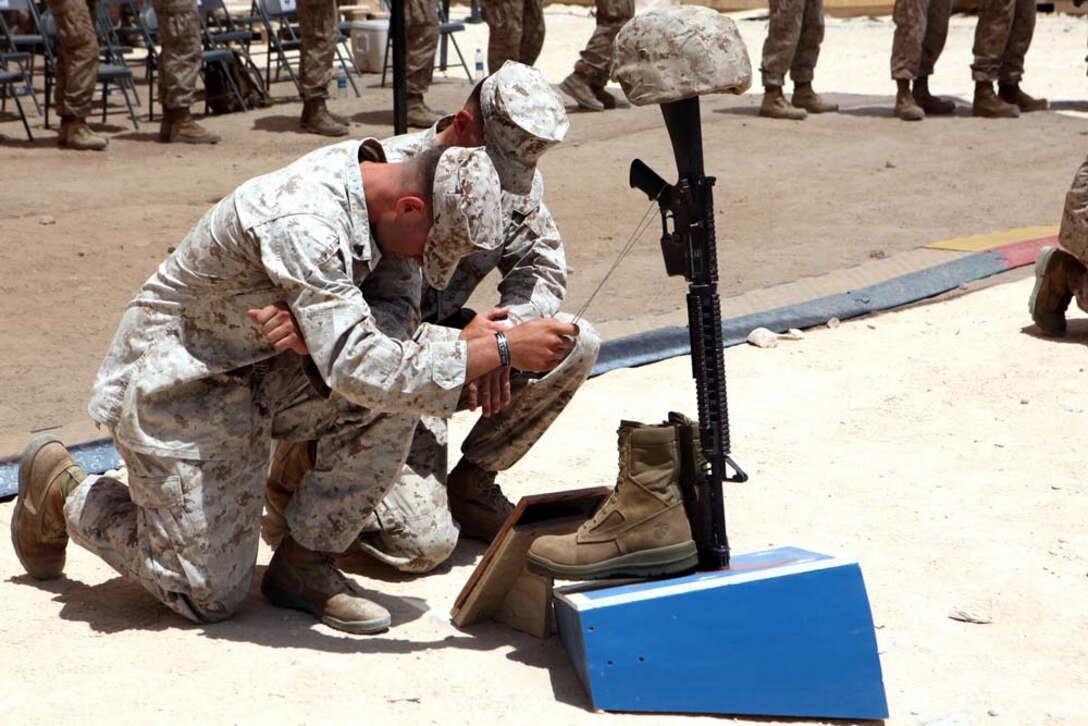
(1011, 93)
(76, 134)
(179, 127)
(806, 98)
(988, 105)
(420, 115)
(47, 475)
(640, 530)
(775, 105)
(476, 501)
(317, 120)
(582, 93)
(906, 107)
(290, 462)
(1058, 274)
(302, 579)
(932, 105)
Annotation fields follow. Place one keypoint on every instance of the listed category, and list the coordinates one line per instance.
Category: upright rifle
(689, 247)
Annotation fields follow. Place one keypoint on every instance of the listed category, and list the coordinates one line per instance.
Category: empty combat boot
(302, 579)
(640, 530)
(906, 107)
(47, 475)
(476, 501)
(75, 134)
(582, 94)
(179, 127)
(988, 105)
(317, 120)
(775, 105)
(290, 462)
(693, 470)
(420, 115)
(932, 105)
(1057, 275)
(1011, 93)
(806, 98)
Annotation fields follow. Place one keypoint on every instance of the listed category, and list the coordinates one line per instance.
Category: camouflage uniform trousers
(421, 28)
(921, 27)
(793, 41)
(595, 65)
(179, 62)
(1002, 38)
(319, 28)
(77, 56)
(515, 31)
(187, 530)
(412, 529)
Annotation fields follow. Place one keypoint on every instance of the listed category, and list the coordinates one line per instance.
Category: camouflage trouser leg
(921, 27)
(808, 44)
(187, 531)
(532, 32)
(421, 26)
(77, 56)
(596, 61)
(412, 529)
(515, 31)
(1002, 38)
(317, 22)
(783, 33)
(179, 63)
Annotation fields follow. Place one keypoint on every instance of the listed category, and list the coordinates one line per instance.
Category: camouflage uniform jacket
(531, 258)
(176, 380)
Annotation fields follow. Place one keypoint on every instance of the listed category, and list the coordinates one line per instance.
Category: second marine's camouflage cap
(467, 214)
(523, 118)
(674, 53)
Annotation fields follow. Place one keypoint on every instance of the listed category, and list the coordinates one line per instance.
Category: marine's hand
(279, 328)
(490, 392)
(539, 345)
(488, 322)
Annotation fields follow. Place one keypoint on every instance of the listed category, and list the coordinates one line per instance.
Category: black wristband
(504, 350)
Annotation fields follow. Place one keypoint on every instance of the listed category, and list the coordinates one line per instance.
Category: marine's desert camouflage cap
(674, 53)
(523, 118)
(467, 212)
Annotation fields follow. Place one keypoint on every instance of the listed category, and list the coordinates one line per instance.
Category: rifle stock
(689, 247)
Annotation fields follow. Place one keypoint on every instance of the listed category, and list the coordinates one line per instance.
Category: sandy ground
(928, 443)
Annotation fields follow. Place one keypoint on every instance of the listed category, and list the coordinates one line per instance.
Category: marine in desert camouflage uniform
(319, 29)
(1060, 274)
(76, 72)
(415, 528)
(921, 27)
(1002, 38)
(179, 65)
(586, 85)
(193, 393)
(794, 35)
(515, 31)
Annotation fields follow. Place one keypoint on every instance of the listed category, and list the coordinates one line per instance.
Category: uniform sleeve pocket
(160, 492)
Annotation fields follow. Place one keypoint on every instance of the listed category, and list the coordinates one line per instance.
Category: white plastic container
(368, 39)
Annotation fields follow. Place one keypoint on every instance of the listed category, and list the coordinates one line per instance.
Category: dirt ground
(929, 443)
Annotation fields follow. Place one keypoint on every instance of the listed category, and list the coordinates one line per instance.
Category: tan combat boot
(988, 105)
(290, 462)
(47, 475)
(476, 501)
(1057, 276)
(420, 115)
(775, 105)
(179, 127)
(317, 120)
(932, 105)
(302, 579)
(806, 98)
(906, 108)
(75, 134)
(1011, 93)
(582, 94)
(640, 530)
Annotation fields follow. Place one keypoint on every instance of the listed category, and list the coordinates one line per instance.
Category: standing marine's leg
(504, 25)
(804, 60)
(532, 31)
(910, 27)
(421, 20)
(1012, 61)
(317, 20)
(179, 66)
(995, 18)
(76, 72)
(783, 32)
(932, 46)
(586, 84)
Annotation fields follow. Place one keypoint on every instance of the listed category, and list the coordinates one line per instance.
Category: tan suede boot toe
(47, 474)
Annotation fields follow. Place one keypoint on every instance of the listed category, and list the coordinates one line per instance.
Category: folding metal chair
(11, 83)
(280, 19)
(11, 51)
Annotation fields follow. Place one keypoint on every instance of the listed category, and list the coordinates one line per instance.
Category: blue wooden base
(783, 632)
